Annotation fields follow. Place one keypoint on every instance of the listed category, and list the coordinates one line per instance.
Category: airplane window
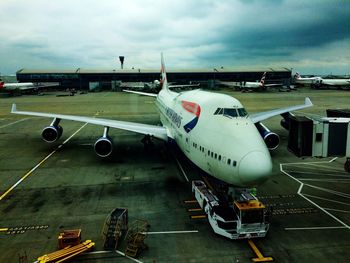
(215, 156)
(217, 111)
(220, 111)
(211, 154)
(234, 163)
(208, 152)
(242, 112)
(219, 157)
(228, 161)
(230, 112)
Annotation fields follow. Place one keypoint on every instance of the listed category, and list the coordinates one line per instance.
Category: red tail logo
(2, 84)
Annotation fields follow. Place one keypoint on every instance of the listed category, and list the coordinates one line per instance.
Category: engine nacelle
(271, 139)
(52, 133)
(103, 146)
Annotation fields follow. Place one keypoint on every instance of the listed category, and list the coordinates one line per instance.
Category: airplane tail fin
(262, 81)
(297, 75)
(2, 84)
(163, 80)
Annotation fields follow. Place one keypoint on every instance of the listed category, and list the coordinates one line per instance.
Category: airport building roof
(121, 71)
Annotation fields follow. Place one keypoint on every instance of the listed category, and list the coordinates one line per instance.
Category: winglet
(308, 101)
(14, 108)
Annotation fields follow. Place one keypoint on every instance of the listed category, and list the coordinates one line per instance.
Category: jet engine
(272, 140)
(104, 146)
(53, 132)
(285, 122)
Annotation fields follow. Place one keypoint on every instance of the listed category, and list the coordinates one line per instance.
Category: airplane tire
(347, 166)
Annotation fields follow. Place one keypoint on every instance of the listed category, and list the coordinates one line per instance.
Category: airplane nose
(254, 168)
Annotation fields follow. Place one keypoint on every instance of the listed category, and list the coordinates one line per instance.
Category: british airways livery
(213, 130)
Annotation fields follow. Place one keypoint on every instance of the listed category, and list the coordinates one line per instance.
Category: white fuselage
(306, 81)
(18, 85)
(227, 147)
(335, 82)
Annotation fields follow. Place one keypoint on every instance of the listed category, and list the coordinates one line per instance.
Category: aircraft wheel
(347, 165)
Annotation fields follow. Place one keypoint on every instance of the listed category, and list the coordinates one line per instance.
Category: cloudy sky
(312, 37)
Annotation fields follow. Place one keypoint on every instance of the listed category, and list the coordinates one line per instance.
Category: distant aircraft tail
(2, 84)
(297, 75)
(262, 81)
(163, 80)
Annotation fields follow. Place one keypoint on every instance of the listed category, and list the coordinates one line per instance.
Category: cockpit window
(242, 112)
(230, 112)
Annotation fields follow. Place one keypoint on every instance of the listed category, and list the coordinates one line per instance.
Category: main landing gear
(347, 165)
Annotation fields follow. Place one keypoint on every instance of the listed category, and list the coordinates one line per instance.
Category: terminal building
(81, 78)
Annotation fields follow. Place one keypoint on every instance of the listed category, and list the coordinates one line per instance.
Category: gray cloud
(311, 36)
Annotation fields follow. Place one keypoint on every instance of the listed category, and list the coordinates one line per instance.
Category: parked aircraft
(15, 86)
(319, 81)
(155, 86)
(247, 85)
(23, 87)
(213, 130)
(304, 81)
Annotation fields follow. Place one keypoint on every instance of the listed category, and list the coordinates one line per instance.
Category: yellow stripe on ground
(198, 217)
(40, 163)
(260, 257)
(190, 201)
(3, 229)
(194, 209)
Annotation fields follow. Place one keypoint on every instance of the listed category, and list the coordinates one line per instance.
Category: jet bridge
(320, 136)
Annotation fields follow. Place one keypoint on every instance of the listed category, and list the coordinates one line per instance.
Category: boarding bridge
(320, 136)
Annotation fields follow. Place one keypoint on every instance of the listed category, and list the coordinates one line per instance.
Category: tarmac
(45, 188)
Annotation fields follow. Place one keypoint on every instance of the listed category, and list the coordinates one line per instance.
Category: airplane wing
(184, 86)
(268, 114)
(141, 93)
(273, 85)
(153, 130)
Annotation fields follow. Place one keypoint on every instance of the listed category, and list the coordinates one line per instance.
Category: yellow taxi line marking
(198, 217)
(190, 201)
(194, 209)
(260, 257)
(40, 163)
(3, 229)
(9, 124)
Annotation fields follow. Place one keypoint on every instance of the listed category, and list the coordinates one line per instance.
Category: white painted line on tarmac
(326, 199)
(182, 170)
(303, 196)
(171, 232)
(308, 163)
(327, 167)
(345, 174)
(329, 191)
(133, 259)
(345, 181)
(337, 210)
(38, 165)
(9, 124)
(314, 228)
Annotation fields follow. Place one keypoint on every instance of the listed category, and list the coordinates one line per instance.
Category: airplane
(247, 85)
(155, 86)
(319, 82)
(305, 81)
(16, 86)
(212, 129)
(23, 86)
